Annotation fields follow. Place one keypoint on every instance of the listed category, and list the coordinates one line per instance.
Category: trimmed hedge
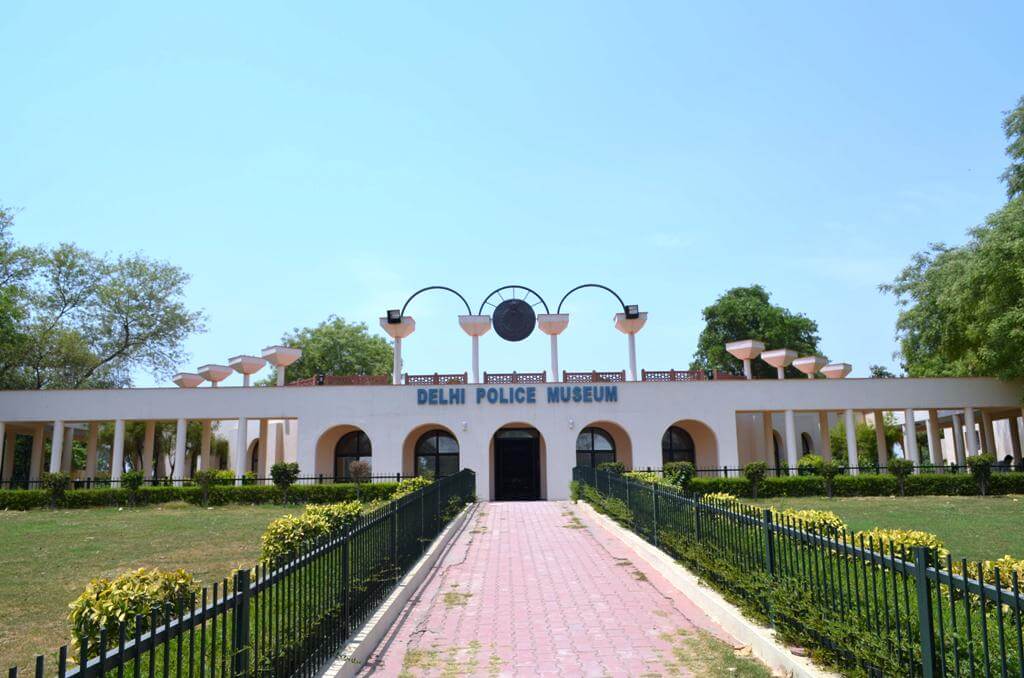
(864, 485)
(21, 500)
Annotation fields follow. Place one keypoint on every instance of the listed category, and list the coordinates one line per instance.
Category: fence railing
(865, 604)
(285, 618)
(737, 472)
(99, 483)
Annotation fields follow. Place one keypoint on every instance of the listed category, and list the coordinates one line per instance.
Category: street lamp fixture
(394, 316)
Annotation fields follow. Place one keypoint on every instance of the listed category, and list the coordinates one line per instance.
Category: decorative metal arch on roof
(526, 297)
(434, 287)
(603, 287)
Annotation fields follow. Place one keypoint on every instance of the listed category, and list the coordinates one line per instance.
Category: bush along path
(530, 589)
(879, 602)
(322, 573)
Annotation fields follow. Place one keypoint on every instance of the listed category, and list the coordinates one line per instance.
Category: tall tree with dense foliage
(1013, 127)
(338, 347)
(747, 313)
(73, 319)
(962, 308)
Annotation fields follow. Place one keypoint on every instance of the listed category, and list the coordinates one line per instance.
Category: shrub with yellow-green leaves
(1007, 566)
(900, 540)
(106, 604)
(410, 485)
(720, 496)
(809, 519)
(643, 476)
(285, 535)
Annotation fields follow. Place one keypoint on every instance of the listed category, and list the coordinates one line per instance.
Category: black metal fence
(93, 483)
(737, 471)
(883, 609)
(278, 619)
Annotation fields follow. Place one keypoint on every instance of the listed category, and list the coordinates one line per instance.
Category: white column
(56, 445)
(768, 434)
(67, 456)
(632, 355)
(934, 441)
(780, 372)
(748, 371)
(180, 436)
(476, 359)
(824, 436)
(36, 464)
(264, 451)
(90, 449)
(958, 440)
(791, 446)
(117, 454)
(396, 367)
(910, 437)
(204, 445)
(972, 432)
(880, 442)
(241, 448)
(555, 374)
(147, 449)
(280, 375)
(10, 447)
(990, 434)
(851, 440)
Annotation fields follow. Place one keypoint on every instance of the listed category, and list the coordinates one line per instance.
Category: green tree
(867, 441)
(86, 321)
(747, 313)
(962, 308)
(1013, 127)
(337, 347)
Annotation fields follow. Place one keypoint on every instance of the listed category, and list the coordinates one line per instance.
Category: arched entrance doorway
(517, 464)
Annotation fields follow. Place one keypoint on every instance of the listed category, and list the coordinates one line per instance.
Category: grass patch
(701, 654)
(448, 661)
(975, 528)
(456, 598)
(49, 556)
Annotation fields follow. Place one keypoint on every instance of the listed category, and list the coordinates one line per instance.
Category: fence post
(654, 510)
(696, 516)
(346, 583)
(423, 543)
(769, 543)
(394, 541)
(924, 611)
(240, 624)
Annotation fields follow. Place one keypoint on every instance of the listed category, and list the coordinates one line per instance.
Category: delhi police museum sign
(516, 395)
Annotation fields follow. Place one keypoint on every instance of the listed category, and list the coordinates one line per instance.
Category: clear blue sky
(311, 159)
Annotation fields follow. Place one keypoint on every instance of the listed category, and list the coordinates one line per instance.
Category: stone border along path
(530, 589)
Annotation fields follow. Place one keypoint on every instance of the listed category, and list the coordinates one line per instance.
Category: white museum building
(522, 432)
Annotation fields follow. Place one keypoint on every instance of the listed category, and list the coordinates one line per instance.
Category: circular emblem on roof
(514, 320)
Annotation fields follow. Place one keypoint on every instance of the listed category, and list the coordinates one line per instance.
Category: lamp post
(246, 365)
(398, 327)
(629, 323)
(215, 373)
(779, 358)
(809, 365)
(745, 350)
(281, 357)
(553, 324)
(836, 370)
(187, 379)
(475, 326)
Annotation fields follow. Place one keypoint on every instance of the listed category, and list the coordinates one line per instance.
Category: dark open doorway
(516, 464)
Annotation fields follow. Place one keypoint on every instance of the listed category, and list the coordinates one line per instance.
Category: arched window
(807, 443)
(677, 445)
(594, 446)
(437, 454)
(254, 458)
(352, 447)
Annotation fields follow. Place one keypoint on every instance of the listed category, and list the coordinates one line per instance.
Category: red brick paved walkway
(529, 589)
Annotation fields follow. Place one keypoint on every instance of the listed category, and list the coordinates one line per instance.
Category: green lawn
(47, 558)
(976, 528)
